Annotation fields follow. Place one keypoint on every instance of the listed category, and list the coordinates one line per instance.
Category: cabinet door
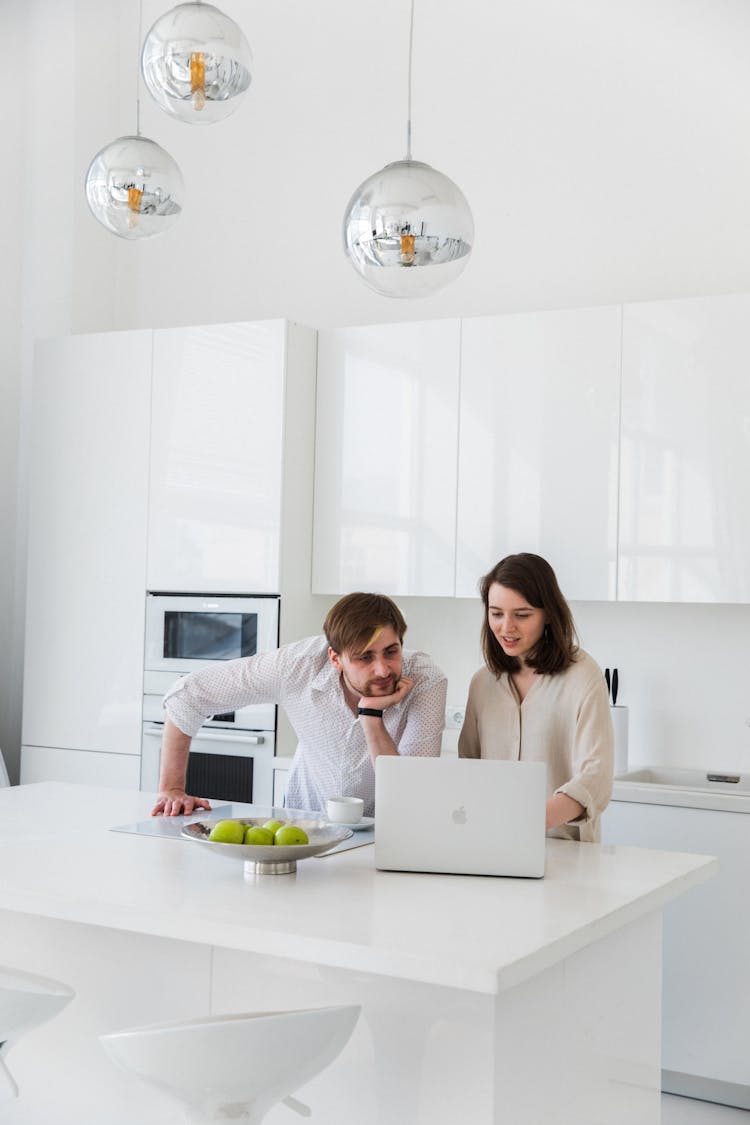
(79, 767)
(385, 459)
(83, 674)
(538, 446)
(685, 476)
(216, 458)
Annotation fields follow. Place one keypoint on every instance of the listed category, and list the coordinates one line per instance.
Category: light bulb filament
(135, 195)
(407, 248)
(198, 79)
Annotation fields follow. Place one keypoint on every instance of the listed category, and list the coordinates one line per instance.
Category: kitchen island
(484, 1000)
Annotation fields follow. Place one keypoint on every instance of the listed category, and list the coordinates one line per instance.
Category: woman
(541, 697)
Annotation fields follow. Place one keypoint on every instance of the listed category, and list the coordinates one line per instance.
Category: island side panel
(583, 1038)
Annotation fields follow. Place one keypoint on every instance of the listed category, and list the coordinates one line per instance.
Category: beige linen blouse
(564, 721)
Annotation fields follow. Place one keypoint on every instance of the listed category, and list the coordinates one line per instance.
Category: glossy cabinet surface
(88, 493)
(706, 1005)
(216, 458)
(386, 450)
(685, 451)
(82, 767)
(537, 468)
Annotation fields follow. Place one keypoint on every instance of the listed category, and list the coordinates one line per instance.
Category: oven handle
(215, 736)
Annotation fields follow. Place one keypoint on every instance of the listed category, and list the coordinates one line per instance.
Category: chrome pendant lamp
(408, 230)
(196, 63)
(133, 186)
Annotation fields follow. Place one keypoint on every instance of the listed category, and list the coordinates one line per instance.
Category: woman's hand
(561, 809)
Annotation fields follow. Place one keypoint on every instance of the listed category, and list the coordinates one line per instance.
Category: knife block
(620, 725)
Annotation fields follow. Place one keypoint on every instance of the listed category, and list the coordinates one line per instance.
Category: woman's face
(516, 624)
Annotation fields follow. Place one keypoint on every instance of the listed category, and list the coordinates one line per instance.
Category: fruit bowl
(272, 859)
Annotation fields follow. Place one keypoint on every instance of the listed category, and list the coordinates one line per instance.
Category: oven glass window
(209, 636)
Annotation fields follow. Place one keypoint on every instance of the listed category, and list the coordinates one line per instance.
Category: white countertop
(688, 788)
(58, 859)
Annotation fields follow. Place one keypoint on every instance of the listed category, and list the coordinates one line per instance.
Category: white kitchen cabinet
(538, 446)
(706, 1001)
(88, 493)
(216, 457)
(80, 767)
(385, 459)
(685, 464)
(179, 460)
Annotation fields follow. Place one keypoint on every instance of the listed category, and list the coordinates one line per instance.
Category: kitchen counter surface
(59, 860)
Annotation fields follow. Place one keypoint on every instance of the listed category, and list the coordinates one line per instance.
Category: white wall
(599, 144)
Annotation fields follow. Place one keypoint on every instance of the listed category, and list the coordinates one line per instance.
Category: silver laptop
(460, 816)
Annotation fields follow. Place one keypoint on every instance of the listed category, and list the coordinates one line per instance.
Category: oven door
(224, 765)
(186, 632)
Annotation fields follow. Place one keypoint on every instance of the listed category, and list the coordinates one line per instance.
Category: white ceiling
(604, 146)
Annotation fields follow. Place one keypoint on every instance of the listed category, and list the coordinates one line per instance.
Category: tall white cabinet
(174, 460)
(538, 442)
(87, 558)
(386, 450)
(685, 451)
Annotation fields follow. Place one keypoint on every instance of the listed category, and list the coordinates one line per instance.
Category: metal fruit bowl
(271, 859)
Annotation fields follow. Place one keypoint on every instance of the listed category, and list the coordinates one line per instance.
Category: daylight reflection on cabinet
(386, 448)
(538, 446)
(685, 473)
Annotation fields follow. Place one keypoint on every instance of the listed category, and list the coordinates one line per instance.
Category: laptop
(461, 816)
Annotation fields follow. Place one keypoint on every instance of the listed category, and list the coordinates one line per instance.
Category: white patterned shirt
(332, 758)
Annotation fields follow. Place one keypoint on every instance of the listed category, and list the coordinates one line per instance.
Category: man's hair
(355, 620)
(534, 579)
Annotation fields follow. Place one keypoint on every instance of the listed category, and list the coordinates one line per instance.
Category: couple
(355, 693)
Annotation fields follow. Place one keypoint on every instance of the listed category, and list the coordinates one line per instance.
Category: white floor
(686, 1111)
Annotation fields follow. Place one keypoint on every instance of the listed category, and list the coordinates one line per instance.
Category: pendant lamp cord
(138, 72)
(408, 113)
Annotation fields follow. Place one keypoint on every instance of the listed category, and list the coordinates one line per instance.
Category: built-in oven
(232, 756)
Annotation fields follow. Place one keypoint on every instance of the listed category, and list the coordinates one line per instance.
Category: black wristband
(370, 711)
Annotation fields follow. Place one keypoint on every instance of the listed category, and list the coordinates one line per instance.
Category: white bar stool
(26, 1001)
(234, 1067)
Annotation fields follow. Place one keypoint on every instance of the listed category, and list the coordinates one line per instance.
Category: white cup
(345, 810)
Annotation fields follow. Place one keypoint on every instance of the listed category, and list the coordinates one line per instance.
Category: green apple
(228, 832)
(290, 834)
(255, 834)
(273, 825)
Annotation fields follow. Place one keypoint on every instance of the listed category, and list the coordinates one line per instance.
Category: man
(350, 695)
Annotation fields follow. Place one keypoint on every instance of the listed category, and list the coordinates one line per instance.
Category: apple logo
(458, 815)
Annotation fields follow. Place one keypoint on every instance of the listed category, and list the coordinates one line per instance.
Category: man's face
(374, 672)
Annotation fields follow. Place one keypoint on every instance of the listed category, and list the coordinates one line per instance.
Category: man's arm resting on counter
(173, 800)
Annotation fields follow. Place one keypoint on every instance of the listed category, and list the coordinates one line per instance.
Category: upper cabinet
(685, 451)
(386, 451)
(537, 468)
(216, 458)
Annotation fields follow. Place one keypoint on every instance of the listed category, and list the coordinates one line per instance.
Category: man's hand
(380, 702)
(174, 802)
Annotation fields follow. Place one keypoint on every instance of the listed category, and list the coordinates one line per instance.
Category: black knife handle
(606, 677)
(614, 686)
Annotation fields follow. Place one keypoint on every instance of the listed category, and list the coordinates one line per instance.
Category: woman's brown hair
(534, 579)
